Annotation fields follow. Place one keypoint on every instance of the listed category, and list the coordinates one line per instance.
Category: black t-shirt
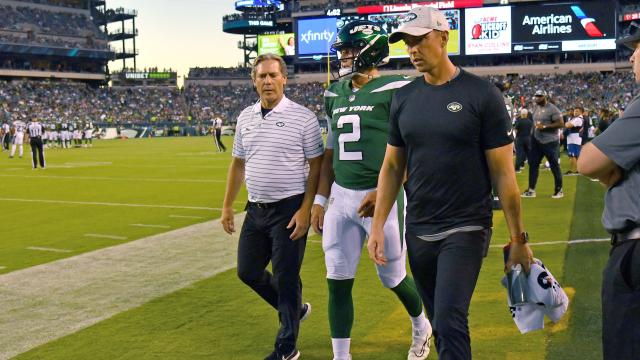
(445, 131)
(524, 127)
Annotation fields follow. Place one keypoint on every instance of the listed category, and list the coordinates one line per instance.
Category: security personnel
(613, 157)
(35, 139)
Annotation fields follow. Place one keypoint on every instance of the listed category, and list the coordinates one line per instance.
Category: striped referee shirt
(275, 149)
(35, 129)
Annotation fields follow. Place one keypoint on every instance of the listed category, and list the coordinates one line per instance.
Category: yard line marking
(2, 267)
(106, 178)
(46, 302)
(152, 226)
(114, 237)
(186, 217)
(112, 204)
(39, 248)
(569, 242)
(315, 241)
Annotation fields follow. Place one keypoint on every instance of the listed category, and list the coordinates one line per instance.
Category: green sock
(340, 308)
(408, 295)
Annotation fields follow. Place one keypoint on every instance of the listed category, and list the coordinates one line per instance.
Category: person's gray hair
(264, 57)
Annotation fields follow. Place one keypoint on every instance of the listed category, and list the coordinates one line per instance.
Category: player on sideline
(88, 134)
(19, 128)
(358, 109)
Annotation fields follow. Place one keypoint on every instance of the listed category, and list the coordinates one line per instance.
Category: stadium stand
(72, 101)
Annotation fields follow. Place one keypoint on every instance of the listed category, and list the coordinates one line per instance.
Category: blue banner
(315, 36)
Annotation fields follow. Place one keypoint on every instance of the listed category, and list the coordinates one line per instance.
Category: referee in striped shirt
(35, 139)
(277, 151)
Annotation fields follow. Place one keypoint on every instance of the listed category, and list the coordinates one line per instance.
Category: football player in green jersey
(358, 112)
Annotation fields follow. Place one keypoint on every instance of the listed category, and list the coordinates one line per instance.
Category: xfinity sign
(315, 36)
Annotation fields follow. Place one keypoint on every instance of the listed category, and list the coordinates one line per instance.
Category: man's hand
(317, 218)
(227, 220)
(519, 253)
(368, 205)
(301, 222)
(375, 245)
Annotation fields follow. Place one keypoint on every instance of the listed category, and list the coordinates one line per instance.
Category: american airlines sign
(452, 4)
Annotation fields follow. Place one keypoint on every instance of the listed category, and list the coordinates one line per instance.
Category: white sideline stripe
(114, 237)
(39, 248)
(152, 226)
(186, 217)
(46, 302)
(114, 178)
(569, 242)
(111, 204)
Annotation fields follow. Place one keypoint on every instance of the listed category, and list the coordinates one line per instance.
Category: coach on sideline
(451, 132)
(613, 157)
(275, 139)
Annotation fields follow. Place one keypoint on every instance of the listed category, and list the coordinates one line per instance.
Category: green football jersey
(359, 124)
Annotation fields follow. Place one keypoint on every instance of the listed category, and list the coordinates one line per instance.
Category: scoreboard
(587, 25)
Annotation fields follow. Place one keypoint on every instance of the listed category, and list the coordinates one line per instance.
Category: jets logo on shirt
(351, 98)
(454, 107)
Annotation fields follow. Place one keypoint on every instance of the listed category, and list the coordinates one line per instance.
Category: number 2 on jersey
(353, 136)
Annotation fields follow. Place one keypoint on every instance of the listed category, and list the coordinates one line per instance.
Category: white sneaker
(347, 358)
(558, 194)
(529, 194)
(419, 349)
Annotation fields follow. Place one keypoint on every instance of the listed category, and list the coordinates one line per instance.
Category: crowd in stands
(603, 94)
(34, 26)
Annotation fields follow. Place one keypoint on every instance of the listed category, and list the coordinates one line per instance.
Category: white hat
(421, 20)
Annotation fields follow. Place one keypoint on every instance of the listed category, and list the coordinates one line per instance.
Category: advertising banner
(315, 36)
(453, 4)
(577, 26)
(487, 30)
(279, 44)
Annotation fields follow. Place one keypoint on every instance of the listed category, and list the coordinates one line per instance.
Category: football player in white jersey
(88, 134)
(18, 128)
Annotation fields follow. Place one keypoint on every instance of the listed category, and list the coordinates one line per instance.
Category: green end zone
(220, 318)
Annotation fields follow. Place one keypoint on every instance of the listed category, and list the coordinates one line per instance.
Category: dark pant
(219, 144)
(621, 302)
(37, 151)
(446, 272)
(6, 141)
(265, 237)
(552, 153)
(523, 147)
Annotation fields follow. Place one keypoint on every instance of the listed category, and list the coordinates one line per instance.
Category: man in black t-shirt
(524, 130)
(450, 131)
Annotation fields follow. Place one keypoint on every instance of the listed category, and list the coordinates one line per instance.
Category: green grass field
(132, 189)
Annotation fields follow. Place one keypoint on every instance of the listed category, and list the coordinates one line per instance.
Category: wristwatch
(522, 238)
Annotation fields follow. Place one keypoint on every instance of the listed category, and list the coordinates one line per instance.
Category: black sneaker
(272, 356)
(293, 355)
(305, 311)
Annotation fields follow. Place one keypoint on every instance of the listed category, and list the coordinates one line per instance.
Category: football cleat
(419, 349)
